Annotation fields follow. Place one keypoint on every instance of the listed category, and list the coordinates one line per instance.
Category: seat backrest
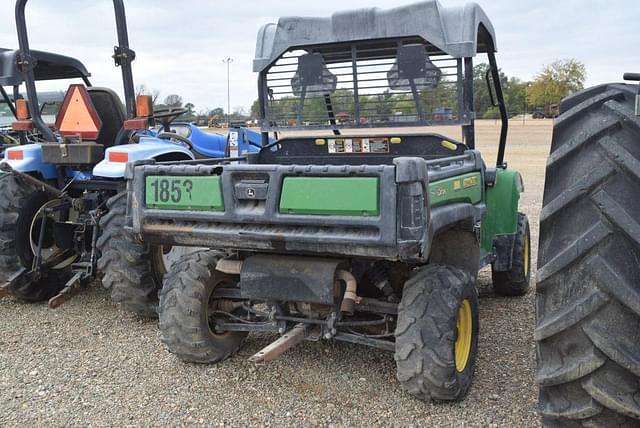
(111, 111)
(413, 68)
(312, 77)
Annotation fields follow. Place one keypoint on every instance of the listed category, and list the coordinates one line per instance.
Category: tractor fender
(29, 161)
(116, 158)
(500, 224)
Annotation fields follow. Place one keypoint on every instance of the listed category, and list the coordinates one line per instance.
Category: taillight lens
(22, 110)
(15, 154)
(118, 157)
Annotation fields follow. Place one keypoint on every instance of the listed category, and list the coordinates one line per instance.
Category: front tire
(186, 307)
(588, 292)
(437, 333)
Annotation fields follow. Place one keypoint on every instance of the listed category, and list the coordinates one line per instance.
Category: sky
(180, 45)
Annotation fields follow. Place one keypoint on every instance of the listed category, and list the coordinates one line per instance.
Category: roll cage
(368, 68)
(49, 66)
(26, 62)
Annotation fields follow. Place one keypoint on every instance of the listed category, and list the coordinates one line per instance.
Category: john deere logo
(251, 192)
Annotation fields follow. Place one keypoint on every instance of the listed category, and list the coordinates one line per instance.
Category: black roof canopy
(48, 66)
(460, 32)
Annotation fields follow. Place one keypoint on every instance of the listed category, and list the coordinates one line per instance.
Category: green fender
(502, 207)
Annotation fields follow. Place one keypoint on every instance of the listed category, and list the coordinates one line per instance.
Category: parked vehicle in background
(548, 112)
(62, 193)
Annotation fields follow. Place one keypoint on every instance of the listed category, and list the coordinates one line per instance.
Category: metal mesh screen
(371, 84)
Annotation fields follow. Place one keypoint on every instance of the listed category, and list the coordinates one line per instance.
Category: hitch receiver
(285, 342)
(72, 287)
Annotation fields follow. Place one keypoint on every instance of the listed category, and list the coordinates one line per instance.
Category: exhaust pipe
(350, 297)
(635, 77)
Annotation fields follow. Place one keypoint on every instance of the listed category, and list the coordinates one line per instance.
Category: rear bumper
(400, 231)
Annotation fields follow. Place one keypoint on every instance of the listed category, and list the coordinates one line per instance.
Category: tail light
(121, 157)
(15, 154)
(22, 110)
(144, 106)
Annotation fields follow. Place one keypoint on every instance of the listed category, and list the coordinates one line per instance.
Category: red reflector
(78, 115)
(118, 157)
(15, 154)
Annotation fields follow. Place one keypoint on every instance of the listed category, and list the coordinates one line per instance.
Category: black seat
(111, 111)
(413, 70)
(312, 77)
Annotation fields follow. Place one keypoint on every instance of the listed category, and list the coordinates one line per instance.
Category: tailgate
(374, 211)
(337, 210)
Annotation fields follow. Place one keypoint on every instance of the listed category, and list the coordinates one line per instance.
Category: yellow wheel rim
(462, 349)
(527, 245)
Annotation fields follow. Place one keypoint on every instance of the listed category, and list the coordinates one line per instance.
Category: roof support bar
(8, 101)
(123, 57)
(504, 117)
(26, 65)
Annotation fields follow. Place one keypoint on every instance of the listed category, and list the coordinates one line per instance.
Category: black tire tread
(424, 355)
(12, 193)
(183, 323)
(125, 263)
(588, 291)
(15, 196)
(515, 282)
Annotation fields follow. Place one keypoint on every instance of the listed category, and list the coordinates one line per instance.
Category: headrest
(313, 77)
(413, 66)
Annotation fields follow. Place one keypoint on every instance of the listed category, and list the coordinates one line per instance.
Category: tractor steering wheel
(179, 138)
(167, 115)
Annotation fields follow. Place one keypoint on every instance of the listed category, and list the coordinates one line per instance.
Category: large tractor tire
(187, 310)
(12, 195)
(437, 333)
(588, 291)
(19, 204)
(130, 269)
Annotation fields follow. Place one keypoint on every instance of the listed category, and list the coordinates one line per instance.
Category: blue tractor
(62, 190)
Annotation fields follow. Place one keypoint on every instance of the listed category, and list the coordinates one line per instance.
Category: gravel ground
(88, 363)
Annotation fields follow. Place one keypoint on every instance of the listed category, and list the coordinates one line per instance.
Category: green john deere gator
(358, 223)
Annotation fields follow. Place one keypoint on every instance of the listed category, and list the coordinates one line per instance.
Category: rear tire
(19, 203)
(437, 333)
(12, 195)
(129, 267)
(588, 291)
(185, 310)
(516, 282)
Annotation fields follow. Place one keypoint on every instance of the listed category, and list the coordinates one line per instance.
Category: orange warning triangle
(78, 116)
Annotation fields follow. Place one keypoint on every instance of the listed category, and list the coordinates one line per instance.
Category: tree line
(549, 86)
(216, 116)
(552, 83)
